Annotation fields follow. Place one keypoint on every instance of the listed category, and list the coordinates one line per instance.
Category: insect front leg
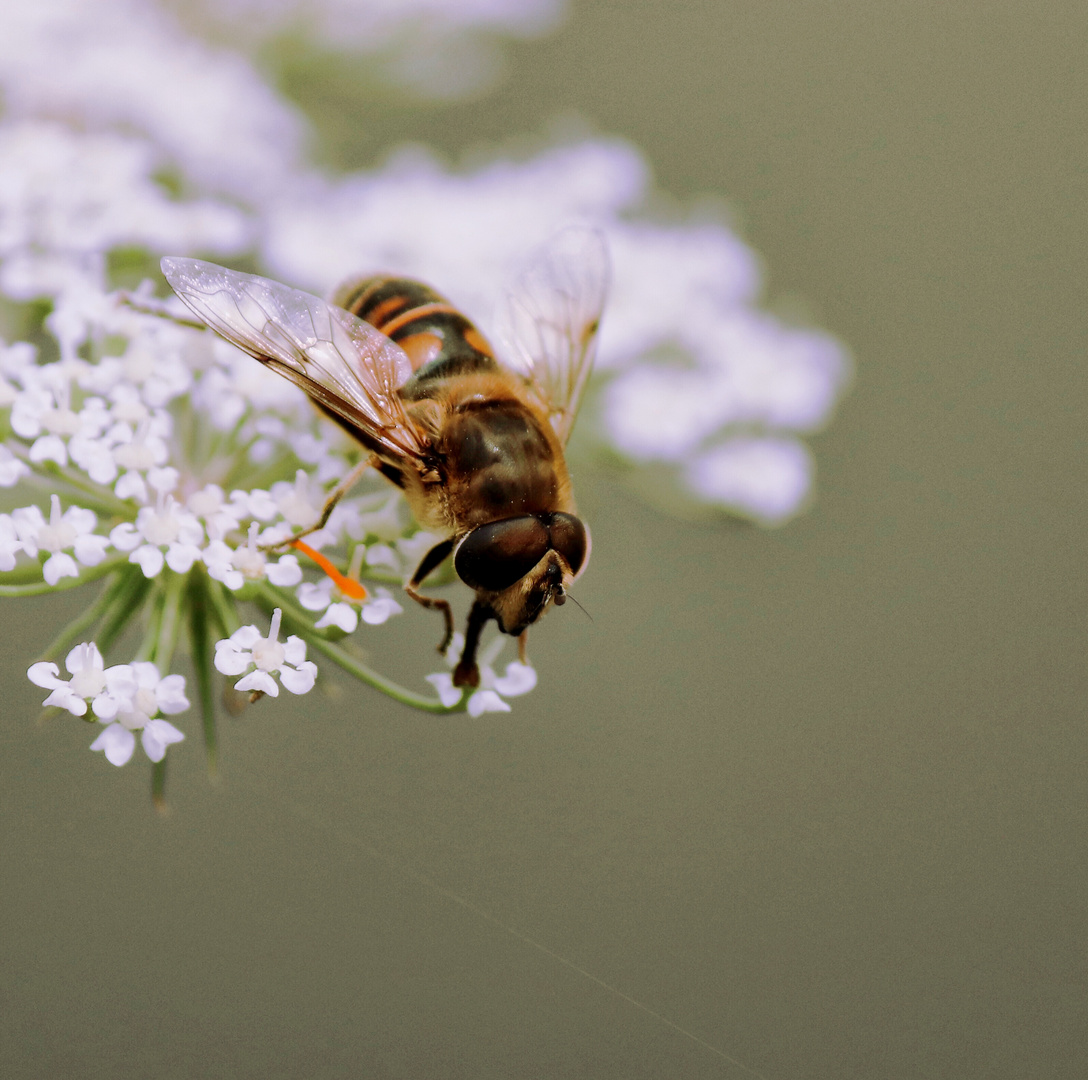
(431, 561)
(335, 496)
(467, 673)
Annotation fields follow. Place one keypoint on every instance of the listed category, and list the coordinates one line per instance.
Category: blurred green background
(817, 796)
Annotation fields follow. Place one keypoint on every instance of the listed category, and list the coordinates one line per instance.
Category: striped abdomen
(438, 339)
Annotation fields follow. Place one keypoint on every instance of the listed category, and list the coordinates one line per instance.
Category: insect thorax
(499, 463)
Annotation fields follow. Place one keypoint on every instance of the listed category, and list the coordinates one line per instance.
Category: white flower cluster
(135, 420)
(177, 464)
(126, 698)
(696, 377)
(67, 198)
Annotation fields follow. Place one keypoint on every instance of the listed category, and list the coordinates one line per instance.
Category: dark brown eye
(567, 535)
(494, 556)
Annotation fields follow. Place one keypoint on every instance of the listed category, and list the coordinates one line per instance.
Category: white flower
(10, 544)
(143, 696)
(488, 696)
(167, 525)
(105, 688)
(43, 413)
(73, 530)
(767, 478)
(235, 566)
(263, 657)
(344, 611)
(219, 516)
(295, 502)
(12, 470)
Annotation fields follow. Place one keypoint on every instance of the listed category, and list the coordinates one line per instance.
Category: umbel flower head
(155, 467)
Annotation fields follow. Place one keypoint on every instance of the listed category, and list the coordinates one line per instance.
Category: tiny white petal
(286, 572)
(157, 736)
(519, 679)
(59, 566)
(118, 743)
(486, 701)
(180, 557)
(294, 650)
(49, 448)
(124, 537)
(448, 694)
(63, 698)
(150, 560)
(378, 610)
(259, 680)
(245, 637)
(131, 486)
(343, 616)
(90, 548)
(170, 695)
(229, 659)
(43, 674)
(300, 681)
(85, 657)
(315, 597)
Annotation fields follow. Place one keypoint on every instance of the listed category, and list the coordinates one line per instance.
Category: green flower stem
(92, 573)
(221, 603)
(104, 500)
(299, 622)
(158, 784)
(200, 645)
(130, 597)
(77, 627)
(146, 650)
(170, 621)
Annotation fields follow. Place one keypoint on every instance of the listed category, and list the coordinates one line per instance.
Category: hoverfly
(476, 443)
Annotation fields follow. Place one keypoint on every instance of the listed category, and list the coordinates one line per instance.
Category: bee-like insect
(475, 443)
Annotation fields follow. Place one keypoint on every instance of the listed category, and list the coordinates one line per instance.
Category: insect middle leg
(431, 561)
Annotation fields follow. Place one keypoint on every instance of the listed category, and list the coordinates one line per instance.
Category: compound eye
(492, 557)
(567, 535)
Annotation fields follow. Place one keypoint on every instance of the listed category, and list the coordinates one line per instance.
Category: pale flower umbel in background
(152, 462)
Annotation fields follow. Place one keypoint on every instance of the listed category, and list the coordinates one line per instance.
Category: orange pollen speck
(348, 586)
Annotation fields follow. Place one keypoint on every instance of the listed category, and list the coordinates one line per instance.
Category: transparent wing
(550, 323)
(343, 363)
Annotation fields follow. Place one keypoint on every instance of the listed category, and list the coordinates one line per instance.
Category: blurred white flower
(767, 478)
(72, 530)
(164, 534)
(68, 197)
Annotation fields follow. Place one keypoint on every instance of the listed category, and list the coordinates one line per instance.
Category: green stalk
(200, 645)
(158, 785)
(170, 621)
(104, 500)
(92, 573)
(146, 649)
(299, 621)
(130, 598)
(76, 628)
(222, 604)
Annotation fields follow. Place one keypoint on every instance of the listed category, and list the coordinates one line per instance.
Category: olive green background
(816, 796)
